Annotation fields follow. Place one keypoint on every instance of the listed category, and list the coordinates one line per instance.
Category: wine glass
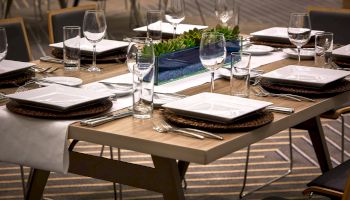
(135, 48)
(175, 13)
(3, 43)
(225, 10)
(94, 29)
(212, 52)
(299, 30)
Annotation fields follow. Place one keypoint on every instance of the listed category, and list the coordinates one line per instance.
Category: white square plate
(275, 34)
(305, 76)
(8, 67)
(58, 97)
(101, 47)
(342, 51)
(216, 107)
(168, 28)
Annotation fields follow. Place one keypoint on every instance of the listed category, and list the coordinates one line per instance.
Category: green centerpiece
(179, 57)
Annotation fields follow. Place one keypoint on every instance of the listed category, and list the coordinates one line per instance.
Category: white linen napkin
(38, 143)
(257, 61)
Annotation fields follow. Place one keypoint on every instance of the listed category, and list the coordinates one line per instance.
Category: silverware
(280, 109)
(92, 122)
(159, 126)
(38, 69)
(48, 81)
(294, 97)
(117, 84)
(51, 59)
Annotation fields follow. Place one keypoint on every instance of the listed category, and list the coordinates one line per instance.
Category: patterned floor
(221, 179)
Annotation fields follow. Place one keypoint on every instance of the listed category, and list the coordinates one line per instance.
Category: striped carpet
(221, 179)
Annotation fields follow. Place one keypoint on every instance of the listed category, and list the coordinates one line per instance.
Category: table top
(138, 135)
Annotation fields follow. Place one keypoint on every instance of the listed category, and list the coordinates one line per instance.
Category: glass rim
(155, 11)
(324, 33)
(241, 53)
(96, 10)
(299, 13)
(71, 27)
(213, 33)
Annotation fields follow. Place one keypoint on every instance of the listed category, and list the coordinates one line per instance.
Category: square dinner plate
(168, 28)
(216, 107)
(101, 47)
(343, 52)
(58, 97)
(305, 76)
(276, 34)
(8, 67)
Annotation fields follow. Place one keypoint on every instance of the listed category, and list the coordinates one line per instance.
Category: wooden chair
(17, 39)
(334, 183)
(65, 17)
(332, 20)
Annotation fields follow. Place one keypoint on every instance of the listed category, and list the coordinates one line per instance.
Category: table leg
(314, 127)
(36, 184)
(163, 178)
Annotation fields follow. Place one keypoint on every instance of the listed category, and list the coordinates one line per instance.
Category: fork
(38, 69)
(294, 97)
(158, 125)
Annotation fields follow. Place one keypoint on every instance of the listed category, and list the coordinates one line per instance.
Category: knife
(102, 120)
(280, 109)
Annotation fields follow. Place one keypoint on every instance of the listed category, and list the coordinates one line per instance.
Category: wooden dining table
(172, 153)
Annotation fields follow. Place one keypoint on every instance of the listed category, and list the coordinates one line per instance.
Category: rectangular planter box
(183, 63)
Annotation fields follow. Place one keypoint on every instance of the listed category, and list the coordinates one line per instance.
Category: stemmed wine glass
(175, 13)
(3, 43)
(225, 10)
(212, 52)
(299, 30)
(94, 29)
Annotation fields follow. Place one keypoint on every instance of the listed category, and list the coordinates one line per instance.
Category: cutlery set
(263, 93)
(38, 69)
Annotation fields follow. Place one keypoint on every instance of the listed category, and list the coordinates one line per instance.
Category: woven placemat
(248, 123)
(344, 64)
(95, 109)
(16, 79)
(279, 44)
(327, 91)
(114, 57)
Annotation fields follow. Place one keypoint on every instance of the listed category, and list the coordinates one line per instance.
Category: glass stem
(212, 82)
(298, 48)
(174, 32)
(94, 55)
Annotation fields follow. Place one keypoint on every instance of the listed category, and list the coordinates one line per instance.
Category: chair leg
(102, 149)
(23, 182)
(342, 137)
(242, 194)
(114, 185)
(120, 185)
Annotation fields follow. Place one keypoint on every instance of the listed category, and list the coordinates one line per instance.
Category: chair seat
(334, 179)
(337, 111)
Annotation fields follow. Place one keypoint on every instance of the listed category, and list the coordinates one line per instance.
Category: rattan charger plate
(279, 44)
(327, 91)
(248, 123)
(16, 79)
(100, 107)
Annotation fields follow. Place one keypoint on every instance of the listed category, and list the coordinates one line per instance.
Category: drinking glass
(175, 13)
(154, 25)
(3, 43)
(140, 60)
(226, 10)
(212, 53)
(94, 29)
(299, 30)
(240, 74)
(323, 49)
